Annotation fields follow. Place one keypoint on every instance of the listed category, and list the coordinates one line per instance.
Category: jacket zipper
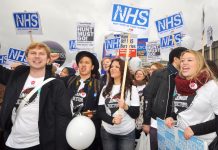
(168, 96)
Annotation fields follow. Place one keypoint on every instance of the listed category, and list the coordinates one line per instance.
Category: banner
(17, 55)
(173, 139)
(85, 36)
(153, 51)
(26, 22)
(132, 45)
(129, 19)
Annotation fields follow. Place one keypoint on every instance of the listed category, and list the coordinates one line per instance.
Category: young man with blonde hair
(41, 123)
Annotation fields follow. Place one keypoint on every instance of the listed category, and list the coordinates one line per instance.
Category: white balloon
(80, 132)
(187, 42)
(135, 63)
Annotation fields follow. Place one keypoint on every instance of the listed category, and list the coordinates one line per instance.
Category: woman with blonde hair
(195, 101)
(155, 66)
(141, 78)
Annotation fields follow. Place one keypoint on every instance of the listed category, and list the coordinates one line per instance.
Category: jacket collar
(172, 69)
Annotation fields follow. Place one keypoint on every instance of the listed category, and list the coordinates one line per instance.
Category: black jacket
(158, 94)
(54, 107)
(90, 101)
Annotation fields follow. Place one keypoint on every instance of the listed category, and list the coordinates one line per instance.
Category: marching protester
(140, 81)
(196, 95)
(158, 95)
(118, 115)
(36, 122)
(105, 64)
(155, 66)
(67, 71)
(84, 91)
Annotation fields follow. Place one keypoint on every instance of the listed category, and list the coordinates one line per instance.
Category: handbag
(144, 142)
(214, 144)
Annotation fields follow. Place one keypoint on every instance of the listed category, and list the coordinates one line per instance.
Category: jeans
(117, 142)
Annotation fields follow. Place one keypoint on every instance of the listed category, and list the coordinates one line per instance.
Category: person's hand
(117, 119)
(88, 113)
(188, 133)
(15, 64)
(169, 122)
(146, 128)
(53, 57)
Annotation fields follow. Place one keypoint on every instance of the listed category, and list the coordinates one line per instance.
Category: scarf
(189, 87)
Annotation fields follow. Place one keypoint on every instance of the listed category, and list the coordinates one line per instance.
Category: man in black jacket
(158, 95)
(41, 123)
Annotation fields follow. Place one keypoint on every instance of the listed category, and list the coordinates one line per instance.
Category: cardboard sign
(167, 41)
(72, 46)
(17, 55)
(112, 45)
(3, 59)
(170, 23)
(26, 22)
(173, 138)
(85, 36)
(132, 45)
(153, 51)
(129, 19)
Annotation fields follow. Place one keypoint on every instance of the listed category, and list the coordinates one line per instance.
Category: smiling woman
(195, 101)
(118, 115)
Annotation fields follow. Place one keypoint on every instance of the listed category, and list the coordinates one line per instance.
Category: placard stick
(125, 69)
(174, 41)
(31, 36)
(210, 53)
(202, 42)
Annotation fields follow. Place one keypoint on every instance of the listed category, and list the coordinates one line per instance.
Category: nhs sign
(167, 41)
(112, 44)
(169, 23)
(3, 59)
(72, 45)
(27, 21)
(131, 18)
(16, 55)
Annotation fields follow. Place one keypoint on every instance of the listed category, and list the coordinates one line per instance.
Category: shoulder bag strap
(26, 99)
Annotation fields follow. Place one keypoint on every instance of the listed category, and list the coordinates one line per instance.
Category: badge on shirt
(82, 94)
(193, 86)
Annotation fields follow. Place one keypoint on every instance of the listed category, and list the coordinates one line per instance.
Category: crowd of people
(38, 105)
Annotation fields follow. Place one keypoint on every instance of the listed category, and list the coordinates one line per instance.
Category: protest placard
(26, 22)
(85, 36)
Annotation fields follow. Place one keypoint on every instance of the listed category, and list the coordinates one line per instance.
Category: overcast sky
(59, 18)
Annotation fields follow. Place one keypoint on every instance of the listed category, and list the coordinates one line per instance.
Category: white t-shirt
(25, 131)
(203, 108)
(111, 106)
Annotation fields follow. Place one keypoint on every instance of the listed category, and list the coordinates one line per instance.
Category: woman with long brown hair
(118, 115)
